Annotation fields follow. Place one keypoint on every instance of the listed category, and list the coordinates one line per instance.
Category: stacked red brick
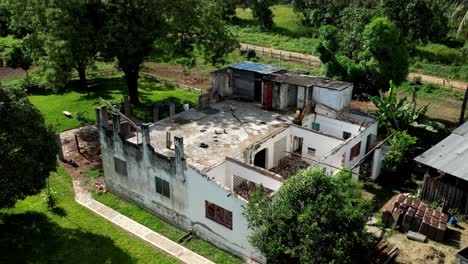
(412, 215)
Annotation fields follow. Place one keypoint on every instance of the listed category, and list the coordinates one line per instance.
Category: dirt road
(314, 60)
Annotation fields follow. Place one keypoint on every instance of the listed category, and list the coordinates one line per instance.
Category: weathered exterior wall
(330, 126)
(338, 100)
(189, 189)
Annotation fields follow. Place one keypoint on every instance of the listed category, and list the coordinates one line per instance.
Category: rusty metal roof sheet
(450, 155)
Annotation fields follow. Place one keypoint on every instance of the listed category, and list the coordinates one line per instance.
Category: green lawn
(82, 104)
(197, 245)
(288, 33)
(71, 234)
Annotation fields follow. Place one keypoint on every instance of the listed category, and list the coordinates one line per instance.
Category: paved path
(314, 60)
(84, 198)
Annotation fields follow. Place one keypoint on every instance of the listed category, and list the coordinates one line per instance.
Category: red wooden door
(268, 95)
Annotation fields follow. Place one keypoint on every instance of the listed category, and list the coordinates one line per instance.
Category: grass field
(82, 104)
(71, 234)
(197, 245)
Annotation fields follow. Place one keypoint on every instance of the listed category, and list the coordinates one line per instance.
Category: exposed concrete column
(168, 140)
(145, 134)
(58, 141)
(104, 120)
(98, 117)
(180, 162)
(171, 109)
(115, 124)
(155, 113)
(127, 106)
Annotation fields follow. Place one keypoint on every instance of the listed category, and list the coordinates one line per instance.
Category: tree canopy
(15, 57)
(28, 149)
(313, 218)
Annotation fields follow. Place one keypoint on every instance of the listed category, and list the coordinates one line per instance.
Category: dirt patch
(194, 77)
(88, 156)
(7, 73)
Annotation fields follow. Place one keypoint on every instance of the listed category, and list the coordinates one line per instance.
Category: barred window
(120, 166)
(218, 214)
(355, 151)
(162, 187)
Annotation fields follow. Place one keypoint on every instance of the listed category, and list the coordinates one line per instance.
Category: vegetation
(68, 234)
(310, 212)
(399, 159)
(15, 57)
(383, 57)
(112, 88)
(149, 220)
(27, 152)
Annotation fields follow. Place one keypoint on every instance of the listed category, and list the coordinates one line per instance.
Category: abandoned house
(446, 177)
(196, 168)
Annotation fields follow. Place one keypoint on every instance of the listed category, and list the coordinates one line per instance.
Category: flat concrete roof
(227, 128)
(308, 80)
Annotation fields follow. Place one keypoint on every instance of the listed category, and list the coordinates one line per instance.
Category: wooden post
(59, 145)
(77, 144)
(463, 108)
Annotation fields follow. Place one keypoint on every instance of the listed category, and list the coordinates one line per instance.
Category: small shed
(243, 80)
(446, 179)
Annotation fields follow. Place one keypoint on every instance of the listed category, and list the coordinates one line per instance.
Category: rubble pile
(289, 165)
(410, 214)
(245, 188)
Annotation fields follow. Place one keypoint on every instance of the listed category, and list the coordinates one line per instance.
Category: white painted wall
(321, 143)
(338, 100)
(330, 126)
(253, 174)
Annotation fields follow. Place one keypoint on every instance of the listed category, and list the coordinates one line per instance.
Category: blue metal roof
(255, 67)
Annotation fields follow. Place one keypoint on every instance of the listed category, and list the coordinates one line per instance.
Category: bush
(441, 54)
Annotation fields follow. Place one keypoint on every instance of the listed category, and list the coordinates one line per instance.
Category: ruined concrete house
(257, 126)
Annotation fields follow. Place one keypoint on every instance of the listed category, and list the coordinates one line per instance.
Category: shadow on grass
(32, 238)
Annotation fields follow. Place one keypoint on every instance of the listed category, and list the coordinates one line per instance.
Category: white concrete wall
(330, 126)
(335, 99)
(186, 206)
(253, 174)
(340, 157)
(321, 143)
(269, 144)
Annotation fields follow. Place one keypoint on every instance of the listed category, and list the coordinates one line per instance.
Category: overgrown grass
(450, 72)
(197, 245)
(439, 53)
(288, 33)
(430, 91)
(83, 103)
(70, 234)
(93, 173)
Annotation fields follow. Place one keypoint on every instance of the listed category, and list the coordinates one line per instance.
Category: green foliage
(384, 55)
(450, 72)
(262, 13)
(418, 20)
(15, 57)
(440, 53)
(93, 173)
(68, 234)
(398, 160)
(28, 149)
(310, 212)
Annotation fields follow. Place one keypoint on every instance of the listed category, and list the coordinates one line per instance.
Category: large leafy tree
(313, 218)
(65, 35)
(382, 56)
(27, 148)
(133, 27)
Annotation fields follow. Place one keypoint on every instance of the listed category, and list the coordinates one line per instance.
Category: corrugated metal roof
(255, 67)
(307, 81)
(450, 155)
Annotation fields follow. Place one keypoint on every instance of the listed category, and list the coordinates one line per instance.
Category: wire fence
(282, 55)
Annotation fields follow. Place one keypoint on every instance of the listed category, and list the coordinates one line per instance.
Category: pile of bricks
(410, 214)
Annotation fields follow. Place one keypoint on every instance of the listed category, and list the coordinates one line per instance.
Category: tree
(384, 55)
(262, 13)
(398, 160)
(132, 29)
(15, 57)
(313, 218)
(27, 148)
(65, 35)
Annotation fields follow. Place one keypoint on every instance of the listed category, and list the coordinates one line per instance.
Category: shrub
(441, 54)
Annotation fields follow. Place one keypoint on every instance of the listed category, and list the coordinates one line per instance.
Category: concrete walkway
(84, 198)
